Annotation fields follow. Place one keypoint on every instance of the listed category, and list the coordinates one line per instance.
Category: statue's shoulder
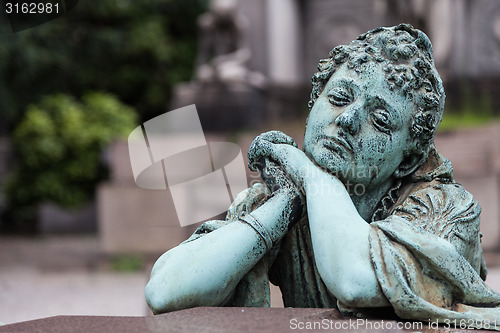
(440, 195)
(432, 198)
(447, 210)
(442, 207)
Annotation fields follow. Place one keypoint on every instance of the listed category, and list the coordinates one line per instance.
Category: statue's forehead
(369, 75)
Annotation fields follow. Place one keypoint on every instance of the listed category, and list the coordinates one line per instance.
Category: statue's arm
(205, 271)
(341, 245)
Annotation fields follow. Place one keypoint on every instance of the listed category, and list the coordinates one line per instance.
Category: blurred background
(77, 236)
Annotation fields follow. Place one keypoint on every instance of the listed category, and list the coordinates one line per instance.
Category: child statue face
(358, 128)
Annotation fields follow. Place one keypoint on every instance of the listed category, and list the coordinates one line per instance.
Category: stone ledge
(210, 319)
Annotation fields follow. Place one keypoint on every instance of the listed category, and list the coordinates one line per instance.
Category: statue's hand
(277, 180)
(258, 150)
(260, 160)
(281, 150)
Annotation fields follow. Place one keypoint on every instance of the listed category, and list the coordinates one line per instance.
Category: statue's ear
(409, 164)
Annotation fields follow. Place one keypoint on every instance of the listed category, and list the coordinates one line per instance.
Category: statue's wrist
(272, 220)
(270, 231)
(261, 230)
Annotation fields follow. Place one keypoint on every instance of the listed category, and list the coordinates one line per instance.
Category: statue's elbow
(355, 294)
(348, 295)
(154, 299)
(162, 296)
(360, 294)
(158, 299)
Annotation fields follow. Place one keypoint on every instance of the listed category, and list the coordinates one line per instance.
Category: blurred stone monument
(227, 93)
(131, 219)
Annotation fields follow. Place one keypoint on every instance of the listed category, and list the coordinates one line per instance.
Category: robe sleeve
(427, 259)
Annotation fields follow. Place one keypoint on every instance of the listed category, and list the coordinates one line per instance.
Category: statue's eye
(340, 96)
(381, 120)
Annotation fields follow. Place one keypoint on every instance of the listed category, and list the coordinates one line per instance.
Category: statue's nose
(349, 119)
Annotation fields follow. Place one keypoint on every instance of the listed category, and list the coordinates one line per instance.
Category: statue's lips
(333, 143)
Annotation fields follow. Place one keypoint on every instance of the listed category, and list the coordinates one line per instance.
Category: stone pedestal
(230, 320)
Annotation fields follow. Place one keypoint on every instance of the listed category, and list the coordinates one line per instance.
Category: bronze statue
(366, 218)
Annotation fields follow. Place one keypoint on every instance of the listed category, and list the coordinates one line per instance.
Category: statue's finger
(278, 137)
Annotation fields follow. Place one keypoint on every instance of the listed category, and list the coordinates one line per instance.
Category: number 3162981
(31, 8)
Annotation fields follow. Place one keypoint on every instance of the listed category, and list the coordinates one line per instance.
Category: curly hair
(406, 53)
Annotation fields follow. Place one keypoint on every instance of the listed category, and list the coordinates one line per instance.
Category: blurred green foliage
(136, 50)
(59, 144)
(127, 263)
(472, 112)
